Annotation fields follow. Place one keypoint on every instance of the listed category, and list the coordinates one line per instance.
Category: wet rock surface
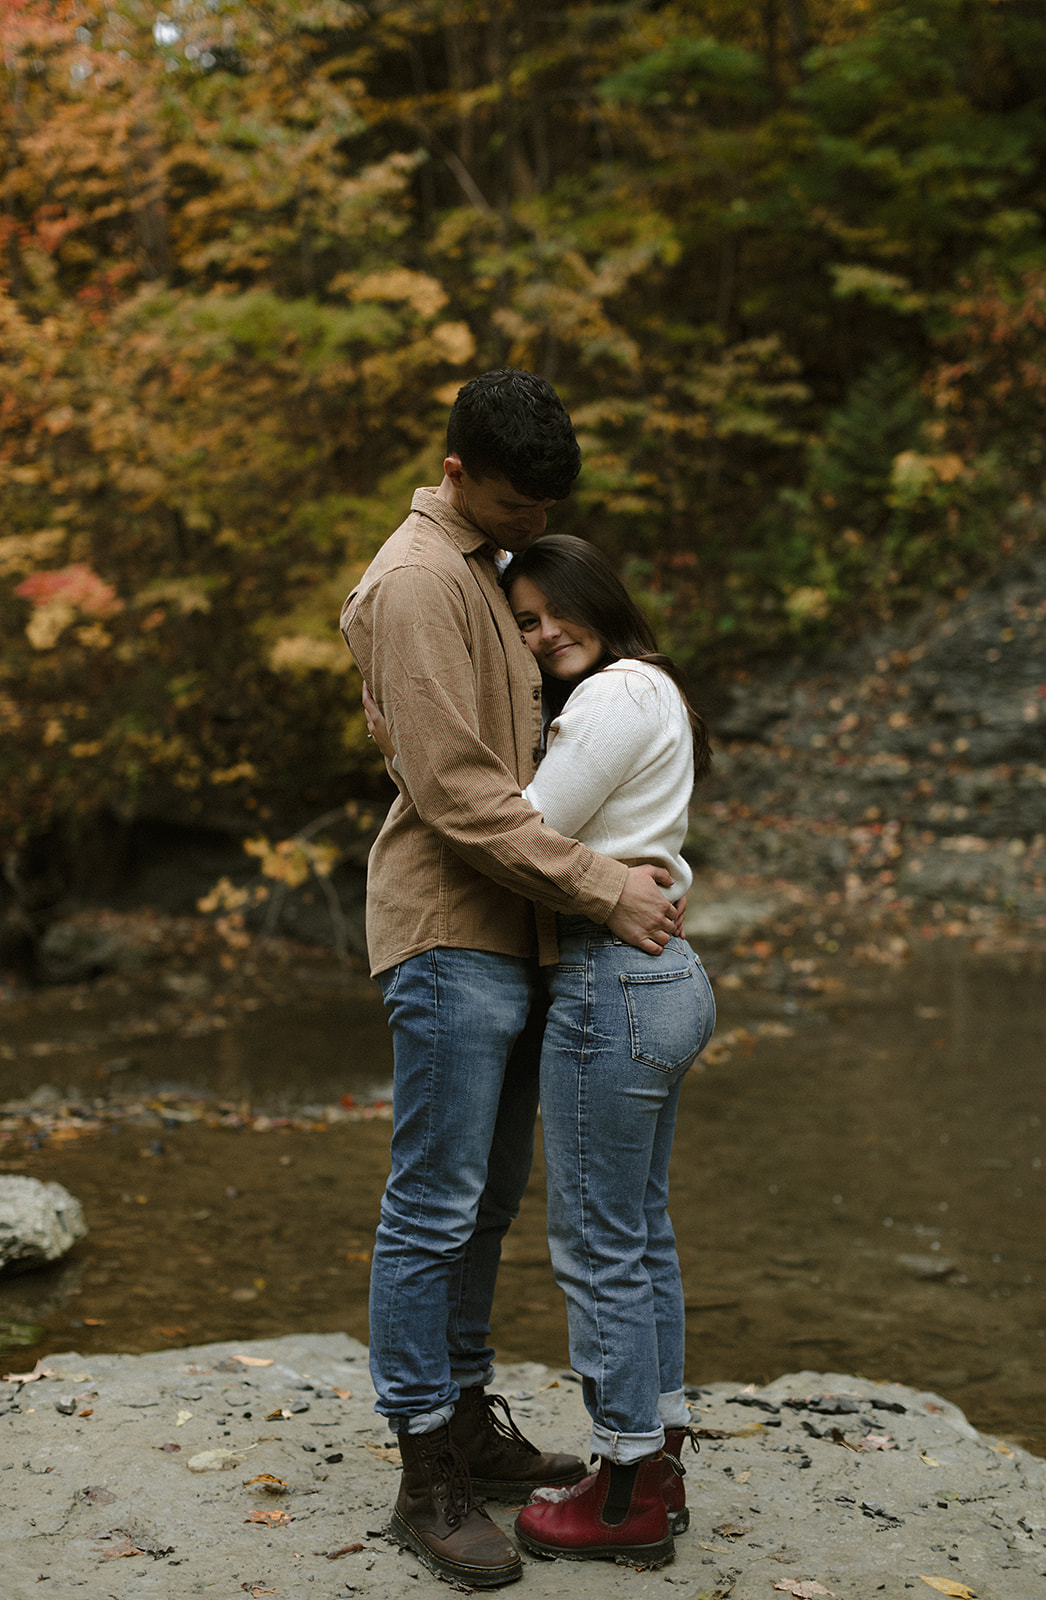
(261, 1467)
(909, 766)
(39, 1223)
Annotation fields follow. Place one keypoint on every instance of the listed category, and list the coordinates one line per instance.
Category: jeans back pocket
(671, 1015)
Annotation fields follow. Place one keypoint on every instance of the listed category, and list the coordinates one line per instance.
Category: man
(463, 884)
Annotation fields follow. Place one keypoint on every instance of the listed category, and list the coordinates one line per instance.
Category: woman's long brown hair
(583, 587)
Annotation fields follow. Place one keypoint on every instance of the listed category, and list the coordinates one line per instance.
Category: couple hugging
(524, 921)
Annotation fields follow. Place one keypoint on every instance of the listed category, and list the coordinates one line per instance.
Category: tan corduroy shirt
(461, 857)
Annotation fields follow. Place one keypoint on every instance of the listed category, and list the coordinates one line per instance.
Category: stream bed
(858, 1181)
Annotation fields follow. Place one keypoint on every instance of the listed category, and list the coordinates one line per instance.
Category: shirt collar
(464, 534)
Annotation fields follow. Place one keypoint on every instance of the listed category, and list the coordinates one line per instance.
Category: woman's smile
(562, 648)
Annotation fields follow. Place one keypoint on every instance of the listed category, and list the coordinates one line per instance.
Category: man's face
(510, 521)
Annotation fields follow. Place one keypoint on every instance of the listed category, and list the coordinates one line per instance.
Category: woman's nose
(549, 628)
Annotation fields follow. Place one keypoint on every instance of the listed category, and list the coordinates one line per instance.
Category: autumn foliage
(784, 263)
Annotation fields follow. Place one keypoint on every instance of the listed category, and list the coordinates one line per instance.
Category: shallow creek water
(858, 1180)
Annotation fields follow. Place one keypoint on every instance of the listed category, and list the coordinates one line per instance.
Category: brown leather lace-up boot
(436, 1517)
(503, 1464)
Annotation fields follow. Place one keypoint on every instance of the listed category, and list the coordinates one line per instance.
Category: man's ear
(453, 469)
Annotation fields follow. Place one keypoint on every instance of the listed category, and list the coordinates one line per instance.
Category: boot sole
(453, 1571)
(634, 1555)
(520, 1491)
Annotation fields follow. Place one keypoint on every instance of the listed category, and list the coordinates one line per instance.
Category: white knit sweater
(619, 770)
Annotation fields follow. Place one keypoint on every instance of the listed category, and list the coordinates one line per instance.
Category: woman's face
(563, 649)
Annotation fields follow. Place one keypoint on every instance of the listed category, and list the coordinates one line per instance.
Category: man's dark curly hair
(511, 423)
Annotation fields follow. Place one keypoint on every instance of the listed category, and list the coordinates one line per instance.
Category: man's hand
(642, 916)
(377, 727)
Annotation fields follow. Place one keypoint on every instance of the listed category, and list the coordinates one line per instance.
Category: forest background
(784, 261)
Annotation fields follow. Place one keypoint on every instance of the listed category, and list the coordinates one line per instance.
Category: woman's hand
(377, 727)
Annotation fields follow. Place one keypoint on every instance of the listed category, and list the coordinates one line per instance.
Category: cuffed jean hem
(625, 1448)
(427, 1421)
(673, 1409)
(472, 1379)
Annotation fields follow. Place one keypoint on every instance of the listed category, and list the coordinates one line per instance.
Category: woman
(623, 747)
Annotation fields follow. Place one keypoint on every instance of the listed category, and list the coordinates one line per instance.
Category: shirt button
(536, 754)
(536, 694)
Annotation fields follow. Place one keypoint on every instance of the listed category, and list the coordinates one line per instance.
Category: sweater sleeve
(600, 739)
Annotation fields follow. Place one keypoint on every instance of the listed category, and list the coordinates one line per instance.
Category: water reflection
(858, 1182)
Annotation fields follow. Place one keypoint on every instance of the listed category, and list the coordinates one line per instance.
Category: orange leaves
(77, 586)
(58, 595)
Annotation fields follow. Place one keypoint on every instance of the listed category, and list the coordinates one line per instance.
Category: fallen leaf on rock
(252, 1361)
(342, 1550)
(729, 1530)
(28, 1377)
(877, 1441)
(931, 1461)
(268, 1481)
(256, 1589)
(958, 1591)
(271, 1519)
(97, 1495)
(169, 1447)
(212, 1461)
(802, 1590)
(384, 1452)
(127, 1548)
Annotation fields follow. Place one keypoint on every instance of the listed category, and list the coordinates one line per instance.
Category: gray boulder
(39, 1222)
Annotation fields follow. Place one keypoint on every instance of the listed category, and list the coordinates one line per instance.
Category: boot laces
(451, 1484)
(504, 1429)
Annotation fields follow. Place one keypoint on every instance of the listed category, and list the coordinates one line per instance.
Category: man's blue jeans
(466, 1027)
(622, 1030)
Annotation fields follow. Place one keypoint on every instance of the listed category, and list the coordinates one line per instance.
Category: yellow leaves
(300, 653)
(454, 342)
(225, 896)
(423, 294)
(243, 769)
(48, 622)
(807, 602)
(881, 288)
(60, 420)
(186, 594)
(21, 552)
(913, 476)
(958, 1591)
(290, 861)
(384, 1452)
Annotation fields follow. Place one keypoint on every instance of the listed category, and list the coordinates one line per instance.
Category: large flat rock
(110, 1488)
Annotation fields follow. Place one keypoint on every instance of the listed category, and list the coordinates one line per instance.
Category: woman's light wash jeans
(622, 1029)
(466, 1028)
